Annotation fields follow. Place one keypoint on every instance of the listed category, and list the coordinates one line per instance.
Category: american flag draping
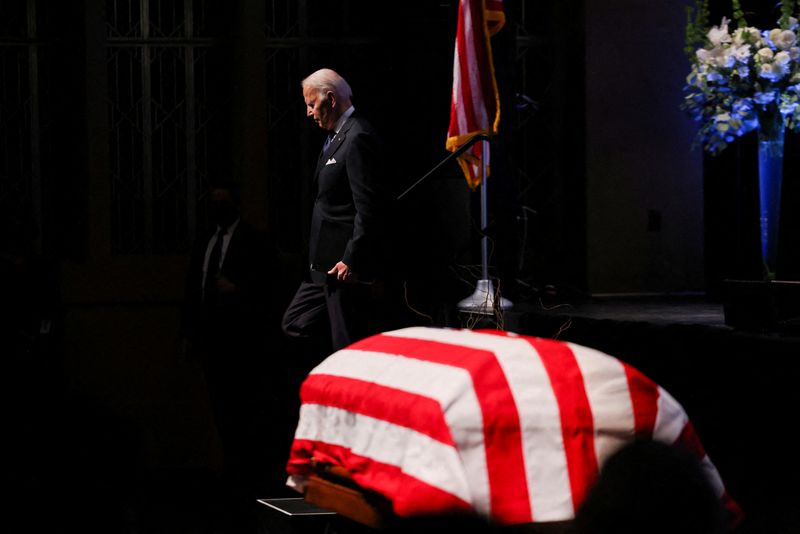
(475, 102)
(512, 427)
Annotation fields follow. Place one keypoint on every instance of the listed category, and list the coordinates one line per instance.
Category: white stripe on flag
(670, 418)
(713, 476)
(443, 383)
(542, 437)
(607, 389)
(542, 444)
(474, 69)
(418, 455)
(458, 92)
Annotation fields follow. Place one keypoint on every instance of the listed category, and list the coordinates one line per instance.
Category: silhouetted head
(651, 487)
(224, 203)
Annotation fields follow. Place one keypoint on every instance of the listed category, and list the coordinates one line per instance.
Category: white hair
(325, 80)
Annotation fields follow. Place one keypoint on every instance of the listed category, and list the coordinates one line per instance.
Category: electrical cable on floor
(410, 307)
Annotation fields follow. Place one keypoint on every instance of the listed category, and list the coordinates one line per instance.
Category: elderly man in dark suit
(347, 234)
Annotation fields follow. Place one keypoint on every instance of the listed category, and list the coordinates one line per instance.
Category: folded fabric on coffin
(512, 427)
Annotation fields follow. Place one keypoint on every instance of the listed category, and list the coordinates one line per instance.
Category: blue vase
(770, 175)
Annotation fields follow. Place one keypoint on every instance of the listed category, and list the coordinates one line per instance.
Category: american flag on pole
(512, 427)
(475, 102)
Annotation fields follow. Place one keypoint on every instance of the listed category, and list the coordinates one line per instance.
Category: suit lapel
(232, 260)
(337, 142)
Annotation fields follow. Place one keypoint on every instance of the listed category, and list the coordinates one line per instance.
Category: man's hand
(342, 272)
(224, 286)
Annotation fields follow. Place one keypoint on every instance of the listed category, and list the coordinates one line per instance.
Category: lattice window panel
(157, 64)
(21, 126)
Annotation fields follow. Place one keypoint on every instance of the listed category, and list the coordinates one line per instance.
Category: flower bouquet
(744, 79)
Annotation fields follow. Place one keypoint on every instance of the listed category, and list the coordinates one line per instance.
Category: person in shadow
(649, 486)
(228, 323)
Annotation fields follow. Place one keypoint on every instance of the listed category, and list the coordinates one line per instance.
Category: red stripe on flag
(577, 422)
(395, 406)
(644, 399)
(466, 97)
(735, 515)
(689, 441)
(502, 436)
(409, 495)
(483, 58)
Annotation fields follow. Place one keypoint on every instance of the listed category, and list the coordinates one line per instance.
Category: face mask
(223, 212)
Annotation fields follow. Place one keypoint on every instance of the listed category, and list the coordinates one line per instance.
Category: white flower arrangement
(742, 80)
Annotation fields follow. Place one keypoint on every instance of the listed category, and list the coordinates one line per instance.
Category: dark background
(105, 157)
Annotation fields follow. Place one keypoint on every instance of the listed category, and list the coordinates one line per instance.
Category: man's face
(223, 207)
(320, 106)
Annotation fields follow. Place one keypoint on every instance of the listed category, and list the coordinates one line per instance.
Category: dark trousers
(348, 311)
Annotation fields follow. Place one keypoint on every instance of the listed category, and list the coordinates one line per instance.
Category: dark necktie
(328, 142)
(213, 260)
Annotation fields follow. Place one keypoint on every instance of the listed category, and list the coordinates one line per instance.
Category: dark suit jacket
(347, 222)
(237, 317)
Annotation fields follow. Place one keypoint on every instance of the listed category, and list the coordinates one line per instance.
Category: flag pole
(482, 300)
(484, 213)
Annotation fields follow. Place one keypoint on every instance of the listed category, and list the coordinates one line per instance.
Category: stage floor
(683, 310)
(541, 317)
